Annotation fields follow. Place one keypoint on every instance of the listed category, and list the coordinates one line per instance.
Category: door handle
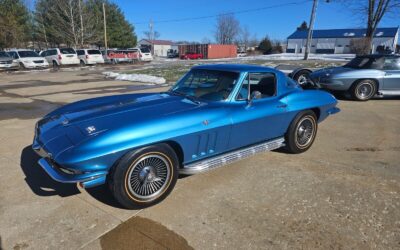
(282, 106)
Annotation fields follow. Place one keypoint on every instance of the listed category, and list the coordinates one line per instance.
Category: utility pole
(151, 27)
(105, 28)
(310, 29)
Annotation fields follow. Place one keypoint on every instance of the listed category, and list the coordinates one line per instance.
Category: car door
(260, 119)
(391, 79)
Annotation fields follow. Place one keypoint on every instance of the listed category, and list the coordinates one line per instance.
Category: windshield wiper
(189, 97)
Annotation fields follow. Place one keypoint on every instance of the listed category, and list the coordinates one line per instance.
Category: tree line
(54, 23)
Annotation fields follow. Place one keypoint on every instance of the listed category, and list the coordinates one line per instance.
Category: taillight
(59, 57)
(140, 55)
(87, 56)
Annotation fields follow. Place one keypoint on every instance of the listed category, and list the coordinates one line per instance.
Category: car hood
(100, 114)
(330, 71)
(6, 58)
(32, 58)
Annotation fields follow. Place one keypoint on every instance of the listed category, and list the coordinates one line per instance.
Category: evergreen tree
(303, 26)
(265, 45)
(14, 24)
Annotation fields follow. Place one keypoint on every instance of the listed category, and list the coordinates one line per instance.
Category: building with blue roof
(337, 41)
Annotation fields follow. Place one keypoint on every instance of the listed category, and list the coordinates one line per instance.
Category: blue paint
(127, 122)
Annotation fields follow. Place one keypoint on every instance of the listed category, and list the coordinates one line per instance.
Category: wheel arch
(317, 112)
(299, 70)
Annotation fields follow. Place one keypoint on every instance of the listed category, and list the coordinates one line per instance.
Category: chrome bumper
(86, 179)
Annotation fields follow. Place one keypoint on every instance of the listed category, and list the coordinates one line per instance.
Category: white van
(89, 56)
(144, 54)
(28, 59)
(58, 57)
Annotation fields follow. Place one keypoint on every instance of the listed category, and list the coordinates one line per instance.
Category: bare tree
(227, 29)
(244, 37)
(373, 11)
(151, 35)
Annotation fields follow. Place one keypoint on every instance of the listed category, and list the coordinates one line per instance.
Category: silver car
(363, 77)
(7, 62)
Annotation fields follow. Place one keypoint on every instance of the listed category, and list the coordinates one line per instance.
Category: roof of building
(158, 42)
(344, 33)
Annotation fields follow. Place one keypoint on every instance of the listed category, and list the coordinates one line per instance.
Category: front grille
(6, 62)
(38, 61)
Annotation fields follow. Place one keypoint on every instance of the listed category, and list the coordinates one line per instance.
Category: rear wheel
(82, 63)
(363, 90)
(144, 177)
(55, 65)
(302, 132)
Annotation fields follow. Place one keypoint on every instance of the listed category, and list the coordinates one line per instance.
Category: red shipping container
(210, 51)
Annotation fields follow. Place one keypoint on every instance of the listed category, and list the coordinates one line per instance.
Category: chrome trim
(224, 159)
(389, 92)
(64, 178)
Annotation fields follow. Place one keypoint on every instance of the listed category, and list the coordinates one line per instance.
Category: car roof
(235, 67)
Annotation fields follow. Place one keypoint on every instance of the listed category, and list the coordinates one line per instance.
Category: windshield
(67, 51)
(145, 50)
(365, 62)
(28, 53)
(93, 52)
(208, 85)
(4, 54)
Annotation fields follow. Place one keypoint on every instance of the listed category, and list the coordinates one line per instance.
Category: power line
(227, 13)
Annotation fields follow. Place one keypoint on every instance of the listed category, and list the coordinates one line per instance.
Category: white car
(7, 62)
(58, 57)
(28, 59)
(90, 56)
(144, 54)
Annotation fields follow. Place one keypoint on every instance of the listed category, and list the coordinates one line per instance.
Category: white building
(158, 47)
(337, 41)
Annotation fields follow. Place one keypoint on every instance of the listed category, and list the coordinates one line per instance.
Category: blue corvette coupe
(214, 115)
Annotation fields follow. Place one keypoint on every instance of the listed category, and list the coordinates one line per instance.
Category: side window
(392, 63)
(44, 53)
(265, 83)
(14, 55)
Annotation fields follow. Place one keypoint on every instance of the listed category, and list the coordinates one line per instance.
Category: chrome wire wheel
(149, 177)
(305, 131)
(365, 90)
(302, 80)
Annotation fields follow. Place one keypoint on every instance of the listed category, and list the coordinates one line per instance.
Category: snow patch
(135, 77)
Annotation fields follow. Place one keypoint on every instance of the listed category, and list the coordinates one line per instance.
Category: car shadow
(39, 181)
(103, 194)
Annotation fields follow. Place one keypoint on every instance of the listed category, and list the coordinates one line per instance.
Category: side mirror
(254, 96)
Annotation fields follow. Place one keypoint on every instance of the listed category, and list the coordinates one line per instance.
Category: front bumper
(86, 179)
(9, 66)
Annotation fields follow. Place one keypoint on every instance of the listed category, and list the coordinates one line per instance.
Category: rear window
(28, 53)
(67, 51)
(94, 52)
(80, 52)
(145, 50)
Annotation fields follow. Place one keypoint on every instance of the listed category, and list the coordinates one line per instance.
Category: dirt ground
(344, 193)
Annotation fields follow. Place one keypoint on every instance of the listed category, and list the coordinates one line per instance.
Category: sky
(278, 22)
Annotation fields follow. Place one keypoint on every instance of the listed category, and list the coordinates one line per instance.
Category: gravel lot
(344, 193)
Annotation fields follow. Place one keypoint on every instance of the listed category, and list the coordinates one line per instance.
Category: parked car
(28, 59)
(192, 55)
(363, 77)
(172, 53)
(90, 56)
(144, 54)
(60, 56)
(115, 56)
(214, 115)
(7, 62)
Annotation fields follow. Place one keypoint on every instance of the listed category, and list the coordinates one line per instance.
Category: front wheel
(302, 78)
(144, 177)
(363, 90)
(302, 132)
